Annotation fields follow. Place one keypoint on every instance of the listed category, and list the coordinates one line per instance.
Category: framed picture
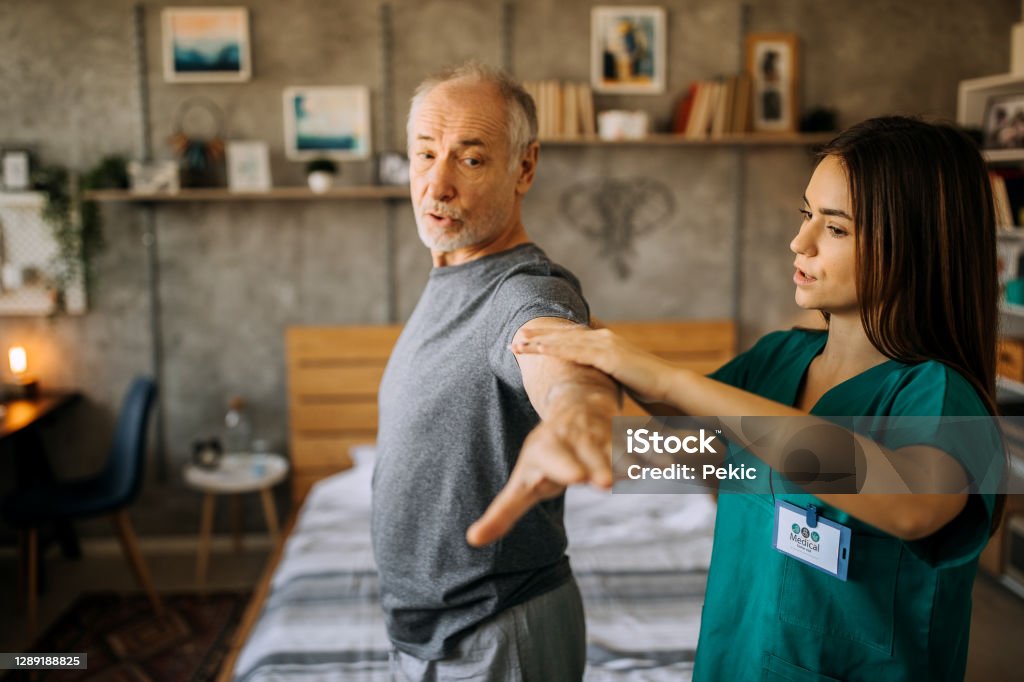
(152, 177)
(15, 167)
(248, 166)
(627, 49)
(774, 64)
(393, 169)
(206, 44)
(1004, 122)
(332, 122)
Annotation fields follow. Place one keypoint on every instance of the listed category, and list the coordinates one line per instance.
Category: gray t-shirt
(453, 417)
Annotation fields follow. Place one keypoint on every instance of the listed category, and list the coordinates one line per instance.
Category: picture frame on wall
(773, 61)
(1004, 122)
(327, 122)
(248, 166)
(628, 50)
(206, 45)
(15, 170)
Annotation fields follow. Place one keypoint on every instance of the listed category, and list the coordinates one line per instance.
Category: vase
(320, 181)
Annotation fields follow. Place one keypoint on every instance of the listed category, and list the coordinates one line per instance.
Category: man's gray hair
(520, 110)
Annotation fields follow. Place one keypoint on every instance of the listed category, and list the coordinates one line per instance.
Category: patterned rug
(126, 642)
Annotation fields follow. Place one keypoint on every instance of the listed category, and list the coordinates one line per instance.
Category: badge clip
(812, 516)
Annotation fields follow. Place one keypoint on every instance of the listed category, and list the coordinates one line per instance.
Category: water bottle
(237, 427)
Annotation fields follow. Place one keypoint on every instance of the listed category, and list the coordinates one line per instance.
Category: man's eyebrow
(831, 211)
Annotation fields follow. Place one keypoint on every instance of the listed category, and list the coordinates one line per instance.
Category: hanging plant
(77, 224)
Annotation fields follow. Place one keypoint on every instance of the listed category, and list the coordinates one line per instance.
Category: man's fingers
(590, 439)
(514, 500)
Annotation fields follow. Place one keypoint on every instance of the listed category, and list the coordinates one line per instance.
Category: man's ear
(527, 168)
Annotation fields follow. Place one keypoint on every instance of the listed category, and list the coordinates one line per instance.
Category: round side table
(238, 473)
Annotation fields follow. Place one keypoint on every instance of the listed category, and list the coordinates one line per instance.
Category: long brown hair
(927, 280)
(926, 244)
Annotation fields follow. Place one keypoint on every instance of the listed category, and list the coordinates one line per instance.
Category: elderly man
(456, 406)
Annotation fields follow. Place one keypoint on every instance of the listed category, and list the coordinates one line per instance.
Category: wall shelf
(372, 192)
(1003, 155)
(671, 139)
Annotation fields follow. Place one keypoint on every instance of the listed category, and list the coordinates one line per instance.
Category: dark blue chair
(109, 492)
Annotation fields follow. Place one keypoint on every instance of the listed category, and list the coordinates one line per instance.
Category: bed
(640, 560)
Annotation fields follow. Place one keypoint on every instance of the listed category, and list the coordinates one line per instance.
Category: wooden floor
(997, 628)
(104, 568)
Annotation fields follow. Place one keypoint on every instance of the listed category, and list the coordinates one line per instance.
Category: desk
(20, 433)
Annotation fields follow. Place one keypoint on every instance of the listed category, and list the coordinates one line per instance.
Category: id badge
(803, 535)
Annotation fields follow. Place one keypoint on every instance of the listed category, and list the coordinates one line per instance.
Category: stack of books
(564, 109)
(715, 108)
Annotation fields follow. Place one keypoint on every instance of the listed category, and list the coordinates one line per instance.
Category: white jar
(320, 181)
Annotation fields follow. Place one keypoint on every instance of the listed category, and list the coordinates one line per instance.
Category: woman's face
(825, 246)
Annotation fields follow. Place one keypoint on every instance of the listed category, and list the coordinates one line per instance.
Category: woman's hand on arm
(644, 375)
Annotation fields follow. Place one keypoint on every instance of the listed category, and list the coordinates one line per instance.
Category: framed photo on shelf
(1004, 122)
(773, 61)
(248, 166)
(152, 177)
(331, 122)
(15, 165)
(393, 169)
(206, 45)
(627, 50)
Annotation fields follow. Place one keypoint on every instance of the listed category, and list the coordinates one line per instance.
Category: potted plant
(320, 174)
(77, 223)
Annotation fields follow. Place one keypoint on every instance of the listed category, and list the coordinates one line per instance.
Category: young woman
(896, 247)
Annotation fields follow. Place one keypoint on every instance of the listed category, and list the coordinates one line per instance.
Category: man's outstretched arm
(576, 405)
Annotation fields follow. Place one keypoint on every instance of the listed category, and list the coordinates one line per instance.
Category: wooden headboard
(334, 372)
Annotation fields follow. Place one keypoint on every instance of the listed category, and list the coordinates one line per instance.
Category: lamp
(18, 360)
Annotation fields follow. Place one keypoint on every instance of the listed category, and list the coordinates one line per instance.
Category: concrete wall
(234, 275)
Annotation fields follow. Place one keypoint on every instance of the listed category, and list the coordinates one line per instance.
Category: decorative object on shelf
(1004, 121)
(774, 65)
(615, 212)
(248, 166)
(16, 165)
(206, 44)
(819, 120)
(627, 49)
(201, 155)
(206, 454)
(1015, 291)
(152, 177)
(327, 121)
(622, 125)
(393, 168)
(320, 174)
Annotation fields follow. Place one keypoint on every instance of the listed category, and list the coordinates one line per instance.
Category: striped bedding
(640, 560)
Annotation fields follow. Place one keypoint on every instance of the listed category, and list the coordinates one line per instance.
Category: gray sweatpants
(542, 640)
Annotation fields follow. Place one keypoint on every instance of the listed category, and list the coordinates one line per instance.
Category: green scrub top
(904, 611)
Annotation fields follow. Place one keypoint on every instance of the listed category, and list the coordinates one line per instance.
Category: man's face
(463, 192)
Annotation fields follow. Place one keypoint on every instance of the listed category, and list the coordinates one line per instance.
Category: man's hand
(573, 445)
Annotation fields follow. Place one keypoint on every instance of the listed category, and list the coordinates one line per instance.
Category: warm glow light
(18, 359)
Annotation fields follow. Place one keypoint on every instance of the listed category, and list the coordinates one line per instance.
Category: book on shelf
(715, 109)
(564, 109)
(1008, 196)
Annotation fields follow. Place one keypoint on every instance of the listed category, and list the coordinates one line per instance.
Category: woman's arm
(906, 516)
